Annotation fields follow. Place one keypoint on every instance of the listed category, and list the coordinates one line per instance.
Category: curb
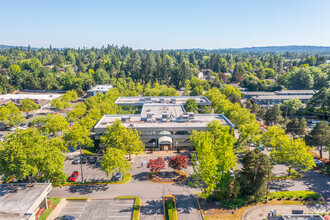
(199, 206)
(321, 171)
(169, 182)
(134, 199)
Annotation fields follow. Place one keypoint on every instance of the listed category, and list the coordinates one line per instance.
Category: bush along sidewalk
(77, 198)
(136, 208)
(170, 212)
(297, 195)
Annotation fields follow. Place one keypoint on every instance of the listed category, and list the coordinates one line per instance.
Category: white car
(317, 162)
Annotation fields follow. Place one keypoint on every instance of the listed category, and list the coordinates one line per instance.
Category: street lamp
(81, 168)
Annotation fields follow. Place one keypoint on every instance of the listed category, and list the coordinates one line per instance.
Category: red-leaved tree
(178, 162)
(156, 165)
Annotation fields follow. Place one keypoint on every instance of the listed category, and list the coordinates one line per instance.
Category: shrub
(77, 198)
(234, 203)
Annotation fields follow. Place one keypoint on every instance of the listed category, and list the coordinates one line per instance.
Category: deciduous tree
(155, 165)
(178, 162)
(28, 105)
(114, 161)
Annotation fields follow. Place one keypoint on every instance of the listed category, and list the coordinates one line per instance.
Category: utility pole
(81, 168)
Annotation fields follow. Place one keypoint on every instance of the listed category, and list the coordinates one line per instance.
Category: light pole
(81, 168)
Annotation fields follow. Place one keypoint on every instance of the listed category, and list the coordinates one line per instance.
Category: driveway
(150, 193)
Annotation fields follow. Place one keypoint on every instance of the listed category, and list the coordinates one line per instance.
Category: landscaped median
(77, 198)
(180, 176)
(170, 212)
(294, 175)
(126, 178)
(137, 206)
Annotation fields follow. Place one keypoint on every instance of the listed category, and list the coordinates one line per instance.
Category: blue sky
(168, 24)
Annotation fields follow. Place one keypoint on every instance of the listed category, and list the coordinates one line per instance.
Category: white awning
(165, 140)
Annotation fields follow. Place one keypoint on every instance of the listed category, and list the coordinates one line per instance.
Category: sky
(167, 24)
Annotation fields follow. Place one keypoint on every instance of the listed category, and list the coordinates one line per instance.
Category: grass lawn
(53, 203)
(137, 205)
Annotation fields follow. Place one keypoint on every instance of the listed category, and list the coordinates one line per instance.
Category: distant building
(278, 99)
(98, 88)
(200, 75)
(163, 122)
(295, 92)
(23, 200)
(250, 94)
(41, 99)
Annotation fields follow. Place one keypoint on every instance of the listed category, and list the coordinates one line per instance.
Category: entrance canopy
(165, 140)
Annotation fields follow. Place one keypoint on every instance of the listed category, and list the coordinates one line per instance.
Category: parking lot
(99, 209)
(91, 172)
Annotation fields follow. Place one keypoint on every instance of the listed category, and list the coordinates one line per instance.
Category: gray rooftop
(139, 101)
(283, 97)
(256, 93)
(103, 88)
(17, 199)
(296, 92)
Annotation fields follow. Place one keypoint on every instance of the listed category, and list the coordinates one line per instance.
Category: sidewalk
(57, 209)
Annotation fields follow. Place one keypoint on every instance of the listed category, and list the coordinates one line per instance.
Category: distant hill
(269, 49)
(7, 47)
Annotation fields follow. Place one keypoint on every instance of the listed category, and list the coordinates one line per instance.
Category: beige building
(163, 122)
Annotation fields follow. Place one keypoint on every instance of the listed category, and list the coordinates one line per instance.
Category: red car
(74, 176)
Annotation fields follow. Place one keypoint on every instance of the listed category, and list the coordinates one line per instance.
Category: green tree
(57, 103)
(273, 115)
(114, 161)
(191, 106)
(120, 137)
(10, 114)
(321, 100)
(254, 175)
(214, 160)
(290, 107)
(78, 136)
(53, 124)
(294, 153)
(28, 105)
(79, 110)
(29, 155)
(319, 136)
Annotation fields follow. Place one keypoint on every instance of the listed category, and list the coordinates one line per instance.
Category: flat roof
(256, 93)
(136, 121)
(30, 96)
(139, 101)
(283, 97)
(158, 109)
(302, 217)
(17, 198)
(103, 87)
(295, 91)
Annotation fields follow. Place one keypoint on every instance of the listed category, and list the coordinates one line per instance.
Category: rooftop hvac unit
(148, 98)
(191, 115)
(125, 118)
(165, 115)
(161, 100)
(149, 115)
(142, 100)
(173, 100)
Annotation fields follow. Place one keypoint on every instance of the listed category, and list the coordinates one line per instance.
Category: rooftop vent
(173, 100)
(125, 118)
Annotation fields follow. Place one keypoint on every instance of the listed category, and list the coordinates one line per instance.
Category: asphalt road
(151, 193)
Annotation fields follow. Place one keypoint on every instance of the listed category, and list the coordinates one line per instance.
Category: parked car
(93, 160)
(66, 217)
(317, 162)
(74, 176)
(71, 149)
(84, 160)
(11, 128)
(77, 160)
(29, 116)
(117, 177)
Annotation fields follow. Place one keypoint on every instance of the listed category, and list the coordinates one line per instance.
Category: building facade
(163, 123)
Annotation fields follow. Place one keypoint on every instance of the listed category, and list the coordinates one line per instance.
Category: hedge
(294, 194)
(77, 198)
